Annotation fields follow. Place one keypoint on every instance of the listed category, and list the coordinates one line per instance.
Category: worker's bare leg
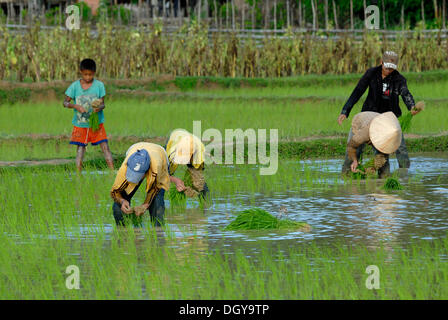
(107, 154)
(79, 157)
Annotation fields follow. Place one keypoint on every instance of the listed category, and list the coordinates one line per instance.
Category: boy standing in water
(88, 95)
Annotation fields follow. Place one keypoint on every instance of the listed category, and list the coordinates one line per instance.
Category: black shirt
(383, 93)
(385, 96)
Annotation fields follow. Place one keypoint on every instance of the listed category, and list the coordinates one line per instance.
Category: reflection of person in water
(372, 218)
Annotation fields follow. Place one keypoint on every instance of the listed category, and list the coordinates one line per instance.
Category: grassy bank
(427, 85)
(29, 149)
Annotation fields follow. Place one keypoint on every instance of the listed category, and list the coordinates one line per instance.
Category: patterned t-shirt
(385, 96)
(85, 99)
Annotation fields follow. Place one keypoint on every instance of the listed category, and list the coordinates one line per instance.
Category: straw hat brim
(385, 132)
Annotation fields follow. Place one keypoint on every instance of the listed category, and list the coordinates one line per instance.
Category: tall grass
(55, 54)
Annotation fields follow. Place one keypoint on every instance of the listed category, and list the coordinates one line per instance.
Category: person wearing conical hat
(382, 131)
(184, 148)
(385, 85)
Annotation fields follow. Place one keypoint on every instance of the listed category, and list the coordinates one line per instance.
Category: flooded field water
(354, 213)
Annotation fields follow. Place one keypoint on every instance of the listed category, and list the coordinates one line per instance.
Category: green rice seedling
(94, 121)
(176, 198)
(258, 219)
(392, 183)
(44, 230)
(364, 171)
(45, 119)
(405, 121)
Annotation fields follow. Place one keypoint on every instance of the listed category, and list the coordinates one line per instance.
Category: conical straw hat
(385, 132)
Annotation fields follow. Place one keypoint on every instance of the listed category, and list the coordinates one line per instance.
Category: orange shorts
(82, 136)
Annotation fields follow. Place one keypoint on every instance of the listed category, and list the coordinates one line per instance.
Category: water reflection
(358, 214)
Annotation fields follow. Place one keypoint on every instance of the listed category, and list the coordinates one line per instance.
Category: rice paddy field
(53, 217)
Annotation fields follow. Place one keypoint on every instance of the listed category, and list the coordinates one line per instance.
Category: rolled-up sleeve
(119, 185)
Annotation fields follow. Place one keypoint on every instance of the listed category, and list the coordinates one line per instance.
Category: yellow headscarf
(184, 148)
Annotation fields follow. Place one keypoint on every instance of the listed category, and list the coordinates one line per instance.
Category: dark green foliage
(154, 86)
(392, 184)
(14, 95)
(186, 83)
(258, 219)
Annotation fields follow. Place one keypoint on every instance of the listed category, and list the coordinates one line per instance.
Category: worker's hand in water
(341, 118)
(354, 166)
(140, 210)
(125, 207)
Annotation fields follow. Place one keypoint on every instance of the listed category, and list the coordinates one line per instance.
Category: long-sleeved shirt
(157, 176)
(184, 148)
(383, 93)
(360, 132)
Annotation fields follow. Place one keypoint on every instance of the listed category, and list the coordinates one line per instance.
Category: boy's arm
(69, 105)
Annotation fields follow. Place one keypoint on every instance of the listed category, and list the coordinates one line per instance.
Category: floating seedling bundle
(392, 184)
(405, 120)
(258, 219)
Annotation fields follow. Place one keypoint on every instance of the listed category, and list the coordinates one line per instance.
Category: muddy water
(357, 214)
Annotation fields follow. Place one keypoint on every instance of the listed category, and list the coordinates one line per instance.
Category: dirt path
(162, 139)
(35, 162)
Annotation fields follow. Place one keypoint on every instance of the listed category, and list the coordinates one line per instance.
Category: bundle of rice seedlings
(405, 120)
(176, 197)
(258, 219)
(365, 170)
(392, 184)
(94, 121)
(137, 221)
(194, 183)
